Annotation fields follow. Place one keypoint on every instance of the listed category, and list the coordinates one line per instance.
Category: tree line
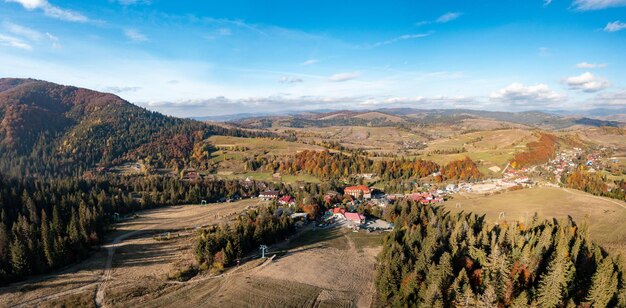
(327, 165)
(595, 184)
(48, 223)
(434, 258)
(219, 246)
(537, 152)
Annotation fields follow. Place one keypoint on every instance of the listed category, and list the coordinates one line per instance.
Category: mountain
(411, 116)
(77, 127)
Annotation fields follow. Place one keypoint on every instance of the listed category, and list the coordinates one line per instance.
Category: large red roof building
(359, 191)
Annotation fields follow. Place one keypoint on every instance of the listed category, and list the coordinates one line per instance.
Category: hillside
(71, 126)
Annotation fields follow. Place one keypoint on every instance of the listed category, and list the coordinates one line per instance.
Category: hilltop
(41, 119)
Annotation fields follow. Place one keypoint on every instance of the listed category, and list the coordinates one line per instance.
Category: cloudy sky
(222, 57)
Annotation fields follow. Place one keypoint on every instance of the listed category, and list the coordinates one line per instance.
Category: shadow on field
(138, 255)
(332, 237)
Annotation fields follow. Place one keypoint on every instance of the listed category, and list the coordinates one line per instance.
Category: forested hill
(65, 128)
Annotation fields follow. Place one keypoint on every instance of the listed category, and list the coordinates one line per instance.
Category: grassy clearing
(261, 145)
(267, 176)
(492, 148)
(369, 138)
(605, 216)
(330, 237)
(363, 239)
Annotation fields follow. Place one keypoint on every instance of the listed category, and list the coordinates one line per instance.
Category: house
(355, 218)
(339, 212)
(450, 187)
(268, 195)
(287, 200)
(359, 191)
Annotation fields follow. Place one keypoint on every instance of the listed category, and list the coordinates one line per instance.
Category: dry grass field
(605, 216)
(139, 263)
(230, 160)
(319, 268)
(376, 139)
(608, 137)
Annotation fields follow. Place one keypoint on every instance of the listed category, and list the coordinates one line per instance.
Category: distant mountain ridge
(411, 116)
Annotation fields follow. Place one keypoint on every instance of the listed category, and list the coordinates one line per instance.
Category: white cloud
(587, 65)
(22, 31)
(547, 2)
(283, 103)
(587, 5)
(586, 82)
(400, 38)
(51, 10)
(615, 26)
(135, 35)
(340, 77)
(117, 90)
(617, 98)
(310, 62)
(54, 40)
(29, 34)
(287, 79)
(519, 94)
(11, 41)
(447, 17)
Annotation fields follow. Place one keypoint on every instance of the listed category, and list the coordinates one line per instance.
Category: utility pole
(263, 248)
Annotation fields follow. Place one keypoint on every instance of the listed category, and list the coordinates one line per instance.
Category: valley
(146, 210)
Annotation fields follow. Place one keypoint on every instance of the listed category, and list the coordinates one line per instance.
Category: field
(320, 268)
(229, 159)
(608, 137)
(494, 147)
(132, 264)
(374, 139)
(605, 216)
(330, 267)
(489, 148)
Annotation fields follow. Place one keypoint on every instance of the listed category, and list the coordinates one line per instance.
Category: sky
(209, 58)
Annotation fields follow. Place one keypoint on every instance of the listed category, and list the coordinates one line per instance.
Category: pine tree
(47, 241)
(554, 284)
(603, 284)
(19, 263)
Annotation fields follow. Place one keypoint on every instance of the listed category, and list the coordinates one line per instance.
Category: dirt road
(124, 262)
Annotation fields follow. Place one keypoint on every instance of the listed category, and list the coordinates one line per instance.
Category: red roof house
(287, 200)
(339, 210)
(355, 217)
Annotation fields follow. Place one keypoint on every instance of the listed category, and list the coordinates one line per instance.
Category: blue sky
(201, 58)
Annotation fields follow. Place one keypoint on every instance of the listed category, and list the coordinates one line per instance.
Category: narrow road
(106, 275)
(576, 192)
(100, 281)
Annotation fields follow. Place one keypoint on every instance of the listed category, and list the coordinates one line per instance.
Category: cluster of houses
(569, 160)
(271, 195)
(341, 214)
(427, 198)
